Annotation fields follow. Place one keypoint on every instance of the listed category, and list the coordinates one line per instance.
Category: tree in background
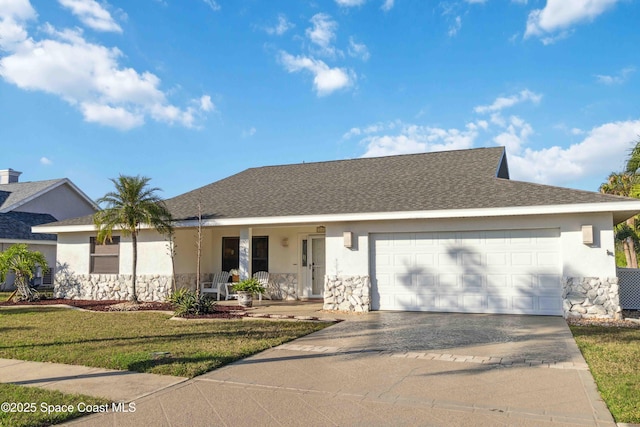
(627, 184)
(23, 263)
(132, 205)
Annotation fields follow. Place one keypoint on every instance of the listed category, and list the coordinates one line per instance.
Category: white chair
(263, 278)
(219, 279)
(229, 292)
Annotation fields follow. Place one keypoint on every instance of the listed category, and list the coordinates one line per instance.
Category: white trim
(48, 189)
(624, 207)
(29, 242)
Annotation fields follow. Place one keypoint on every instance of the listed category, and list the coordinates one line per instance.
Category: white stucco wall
(62, 202)
(153, 255)
(578, 259)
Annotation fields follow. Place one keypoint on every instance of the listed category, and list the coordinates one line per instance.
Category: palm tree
(132, 205)
(622, 184)
(18, 259)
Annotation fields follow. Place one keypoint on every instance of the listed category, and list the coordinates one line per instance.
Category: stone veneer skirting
(347, 293)
(282, 286)
(591, 297)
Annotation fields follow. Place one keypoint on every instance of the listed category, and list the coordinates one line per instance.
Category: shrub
(187, 303)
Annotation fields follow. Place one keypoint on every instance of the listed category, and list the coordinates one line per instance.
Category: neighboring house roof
(16, 194)
(17, 226)
(440, 181)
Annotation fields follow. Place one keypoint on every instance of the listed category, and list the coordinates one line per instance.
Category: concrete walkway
(390, 369)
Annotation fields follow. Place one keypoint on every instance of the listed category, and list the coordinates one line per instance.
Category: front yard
(136, 341)
(613, 355)
(141, 341)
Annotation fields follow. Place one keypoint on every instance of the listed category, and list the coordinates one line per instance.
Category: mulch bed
(221, 311)
(630, 319)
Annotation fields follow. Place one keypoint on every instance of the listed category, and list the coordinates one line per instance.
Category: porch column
(245, 253)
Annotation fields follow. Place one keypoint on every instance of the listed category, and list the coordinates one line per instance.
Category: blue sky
(188, 92)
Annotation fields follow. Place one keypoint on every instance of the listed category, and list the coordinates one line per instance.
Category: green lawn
(34, 407)
(138, 341)
(613, 355)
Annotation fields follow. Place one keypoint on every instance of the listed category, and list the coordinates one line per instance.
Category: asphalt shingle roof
(17, 226)
(11, 194)
(463, 179)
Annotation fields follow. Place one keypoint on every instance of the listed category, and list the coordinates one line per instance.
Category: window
(105, 259)
(259, 253)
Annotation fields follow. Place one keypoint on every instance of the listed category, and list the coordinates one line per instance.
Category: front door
(317, 266)
(313, 266)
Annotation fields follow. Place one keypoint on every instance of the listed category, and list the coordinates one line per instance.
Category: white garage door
(507, 271)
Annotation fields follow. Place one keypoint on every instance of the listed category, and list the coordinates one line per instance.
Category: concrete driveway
(394, 369)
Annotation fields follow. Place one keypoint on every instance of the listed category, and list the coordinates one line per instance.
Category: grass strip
(613, 356)
(34, 407)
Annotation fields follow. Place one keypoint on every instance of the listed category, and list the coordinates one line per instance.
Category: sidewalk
(118, 386)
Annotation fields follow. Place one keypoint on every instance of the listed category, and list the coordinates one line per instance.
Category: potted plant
(235, 275)
(246, 289)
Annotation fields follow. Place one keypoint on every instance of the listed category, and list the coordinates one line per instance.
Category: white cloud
(281, 27)
(13, 15)
(476, 1)
(620, 78)
(248, 132)
(17, 9)
(374, 128)
(206, 104)
(45, 161)
(213, 4)
(92, 14)
(559, 15)
(418, 139)
(455, 26)
(323, 33)
(358, 50)
(117, 117)
(599, 153)
(505, 102)
(387, 5)
(350, 3)
(325, 79)
(516, 133)
(89, 77)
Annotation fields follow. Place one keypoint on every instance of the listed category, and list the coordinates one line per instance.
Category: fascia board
(579, 208)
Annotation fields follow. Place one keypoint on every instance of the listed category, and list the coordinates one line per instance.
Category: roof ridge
(424, 153)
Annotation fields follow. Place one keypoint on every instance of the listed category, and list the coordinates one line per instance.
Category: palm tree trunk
(633, 257)
(134, 241)
(627, 255)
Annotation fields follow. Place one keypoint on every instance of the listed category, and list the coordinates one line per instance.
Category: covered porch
(294, 256)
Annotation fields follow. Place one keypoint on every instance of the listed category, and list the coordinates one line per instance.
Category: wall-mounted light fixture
(587, 234)
(284, 242)
(348, 239)
(321, 229)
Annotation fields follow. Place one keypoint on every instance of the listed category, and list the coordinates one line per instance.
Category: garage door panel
(474, 302)
(497, 259)
(524, 303)
(471, 259)
(447, 302)
(447, 259)
(502, 271)
(472, 281)
(521, 258)
(425, 281)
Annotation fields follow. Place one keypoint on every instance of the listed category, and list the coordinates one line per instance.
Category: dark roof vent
(9, 176)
